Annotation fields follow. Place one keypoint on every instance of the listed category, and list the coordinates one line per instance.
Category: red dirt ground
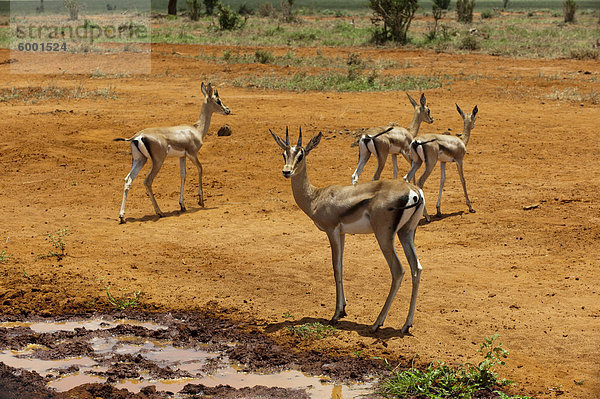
(530, 275)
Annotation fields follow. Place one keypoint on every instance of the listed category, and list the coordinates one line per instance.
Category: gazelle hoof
(471, 210)
(183, 208)
(405, 329)
(373, 329)
(121, 220)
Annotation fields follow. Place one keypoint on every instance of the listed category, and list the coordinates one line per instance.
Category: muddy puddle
(171, 356)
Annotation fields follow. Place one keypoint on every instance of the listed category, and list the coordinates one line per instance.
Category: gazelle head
(212, 100)
(468, 118)
(295, 156)
(422, 110)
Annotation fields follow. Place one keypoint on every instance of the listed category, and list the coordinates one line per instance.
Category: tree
(172, 8)
(210, 6)
(464, 10)
(396, 16)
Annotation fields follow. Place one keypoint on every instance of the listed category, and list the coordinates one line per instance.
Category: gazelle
(386, 208)
(393, 140)
(429, 148)
(159, 143)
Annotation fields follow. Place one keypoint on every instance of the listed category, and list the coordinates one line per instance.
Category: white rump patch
(413, 198)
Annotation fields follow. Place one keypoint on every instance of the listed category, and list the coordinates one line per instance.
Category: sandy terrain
(530, 275)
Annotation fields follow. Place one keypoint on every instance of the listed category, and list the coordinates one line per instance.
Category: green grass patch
(312, 331)
(440, 381)
(337, 81)
(124, 301)
(4, 257)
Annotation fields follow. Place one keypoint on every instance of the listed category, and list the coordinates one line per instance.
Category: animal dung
(224, 130)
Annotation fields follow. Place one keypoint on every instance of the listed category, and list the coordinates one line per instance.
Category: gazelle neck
(466, 134)
(414, 125)
(204, 121)
(304, 192)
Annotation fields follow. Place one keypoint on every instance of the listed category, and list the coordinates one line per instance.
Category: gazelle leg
(385, 238)
(395, 164)
(429, 166)
(464, 184)
(442, 180)
(336, 240)
(382, 153)
(408, 244)
(363, 156)
(137, 165)
(182, 172)
(156, 165)
(196, 161)
(414, 166)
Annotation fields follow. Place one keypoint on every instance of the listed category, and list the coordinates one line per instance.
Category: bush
(569, 8)
(464, 10)
(266, 9)
(263, 57)
(438, 9)
(396, 16)
(210, 5)
(287, 10)
(229, 20)
(443, 4)
(74, 7)
(244, 10)
(469, 42)
(486, 14)
(584, 54)
(193, 9)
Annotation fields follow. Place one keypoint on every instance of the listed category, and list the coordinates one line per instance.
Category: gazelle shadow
(361, 329)
(436, 218)
(156, 218)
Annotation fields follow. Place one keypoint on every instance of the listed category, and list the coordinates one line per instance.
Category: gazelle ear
(413, 102)
(278, 140)
(203, 89)
(423, 100)
(462, 114)
(475, 111)
(313, 143)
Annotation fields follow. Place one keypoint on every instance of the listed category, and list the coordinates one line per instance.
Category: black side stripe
(356, 206)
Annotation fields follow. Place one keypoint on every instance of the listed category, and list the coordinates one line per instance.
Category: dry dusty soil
(525, 265)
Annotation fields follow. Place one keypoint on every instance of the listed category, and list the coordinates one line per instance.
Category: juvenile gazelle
(159, 143)
(386, 208)
(395, 140)
(429, 148)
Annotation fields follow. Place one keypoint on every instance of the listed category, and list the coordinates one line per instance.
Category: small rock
(224, 130)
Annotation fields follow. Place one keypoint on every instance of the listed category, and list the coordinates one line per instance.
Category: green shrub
(266, 9)
(396, 16)
(569, 8)
(486, 14)
(584, 54)
(263, 57)
(469, 42)
(229, 20)
(464, 10)
(194, 9)
(442, 381)
(210, 5)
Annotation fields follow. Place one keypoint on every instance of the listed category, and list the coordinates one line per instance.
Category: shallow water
(192, 360)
